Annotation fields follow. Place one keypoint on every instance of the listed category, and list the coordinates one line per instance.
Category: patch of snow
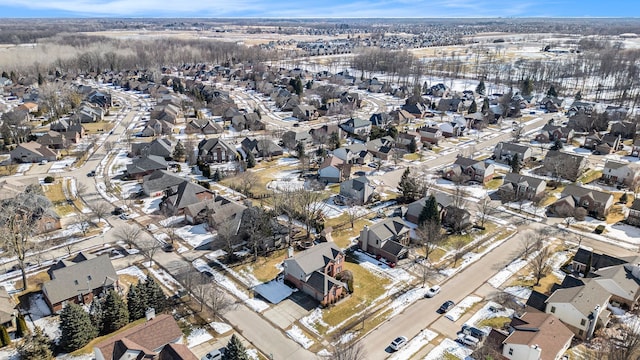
(298, 336)
(505, 274)
(197, 337)
(275, 291)
(164, 278)
(459, 310)
(220, 328)
(49, 325)
(315, 317)
(38, 307)
(133, 271)
(484, 313)
(414, 345)
(195, 235)
(520, 292)
(403, 301)
(451, 347)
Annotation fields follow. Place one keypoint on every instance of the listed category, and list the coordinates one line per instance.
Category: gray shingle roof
(316, 258)
(583, 298)
(577, 192)
(514, 178)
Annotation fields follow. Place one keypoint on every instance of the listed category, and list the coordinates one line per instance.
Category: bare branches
(540, 264)
(128, 234)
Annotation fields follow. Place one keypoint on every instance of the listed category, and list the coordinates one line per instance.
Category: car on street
(117, 211)
(446, 306)
(124, 216)
(91, 173)
(433, 291)
(398, 343)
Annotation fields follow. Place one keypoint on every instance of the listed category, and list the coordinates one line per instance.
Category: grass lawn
(590, 175)
(34, 282)
(334, 188)
(54, 192)
(436, 149)
(367, 287)
(412, 157)
(343, 235)
(88, 349)
(93, 128)
(546, 283)
(615, 214)
(265, 268)
(493, 184)
(548, 200)
(496, 322)
(7, 170)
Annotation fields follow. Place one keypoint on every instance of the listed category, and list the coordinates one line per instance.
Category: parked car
(475, 332)
(91, 173)
(446, 306)
(117, 211)
(433, 291)
(468, 340)
(124, 216)
(212, 355)
(168, 247)
(398, 343)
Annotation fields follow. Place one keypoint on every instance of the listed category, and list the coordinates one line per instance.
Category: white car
(433, 291)
(399, 342)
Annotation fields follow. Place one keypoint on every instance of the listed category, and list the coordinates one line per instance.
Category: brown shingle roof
(543, 330)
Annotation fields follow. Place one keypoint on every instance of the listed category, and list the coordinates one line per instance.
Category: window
(583, 321)
(510, 351)
(553, 309)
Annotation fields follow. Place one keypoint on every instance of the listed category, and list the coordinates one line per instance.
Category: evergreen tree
(429, 211)
(473, 108)
(115, 314)
(217, 176)
(393, 132)
(480, 89)
(300, 149)
(251, 160)
(135, 303)
(235, 350)
(552, 92)
(515, 164)
(96, 313)
(40, 79)
(36, 346)
(413, 146)
(299, 87)
(485, 106)
(578, 95)
(557, 145)
(179, 152)
(76, 328)
(153, 295)
(309, 85)
(624, 198)
(5, 75)
(407, 186)
(527, 87)
(334, 141)
(4, 337)
(21, 326)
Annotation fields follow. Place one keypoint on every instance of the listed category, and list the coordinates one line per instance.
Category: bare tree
(128, 234)
(539, 266)
(485, 209)
(430, 236)
(246, 181)
(201, 288)
(346, 347)
(217, 299)
(149, 247)
(460, 196)
(310, 205)
(100, 209)
(81, 189)
(108, 146)
(529, 243)
(625, 345)
(458, 247)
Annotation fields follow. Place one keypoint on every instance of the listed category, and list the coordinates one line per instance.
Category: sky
(318, 9)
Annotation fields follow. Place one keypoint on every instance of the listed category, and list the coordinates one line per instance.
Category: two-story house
(314, 272)
(388, 239)
(430, 134)
(550, 133)
(620, 172)
(354, 154)
(597, 203)
(536, 336)
(382, 148)
(516, 186)
(563, 165)
(634, 213)
(358, 127)
(467, 169)
(360, 189)
(504, 151)
(216, 150)
(305, 112)
(334, 170)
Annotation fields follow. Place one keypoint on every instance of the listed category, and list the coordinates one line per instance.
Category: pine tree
(251, 160)
(552, 92)
(515, 164)
(480, 89)
(40, 79)
(115, 314)
(334, 141)
(485, 106)
(217, 176)
(407, 186)
(429, 211)
(557, 145)
(413, 146)
(76, 328)
(235, 350)
(527, 87)
(473, 108)
(624, 198)
(179, 152)
(135, 303)
(153, 295)
(4, 337)
(300, 149)
(36, 346)
(578, 95)
(21, 327)
(96, 313)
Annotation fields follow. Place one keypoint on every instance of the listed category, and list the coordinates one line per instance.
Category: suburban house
(381, 120)
(322, 134)
(415, 208)
(314, 272)
(622, 282)
(358, 190)
(388, 239)
(99, 98)
(417, 110)
(516, 186)
(291, 138)
(451, 105)
(143, 166)
(634, 213)
(358, 127)
(156, 183)
(504, 151)
(353, 154)
(217, 210)
(168, 112)
(624, 129)
(594, 261)
(158, 147)
(8, 311)
(334, 170)
(430, 134)
(550, 133)
(563, 165)
(404, 140)
(216, 150)
(261, 147)
(597, 203)
(401, 117)
(453, 128)
(159, 338)
(79, 280)
(72, 130)
(603, 144)
(43, 216)
(248, 121)
(31, 152)
(156, 127)
(582, 309)
(88, 113)
(456, 218)
(620, 172)
(381, 148)
(305, 112)
(177, 198)
(55, 140)
(536, 336)
(203, 126)
(467, 169)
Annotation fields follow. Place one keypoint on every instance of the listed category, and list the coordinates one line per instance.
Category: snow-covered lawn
(520, 292)
(484, 313)
(164, 278)
(197, 337)
(462, 307)
(414, 345)
(403, 301)
(133, 271)
(195, 235)
(59, 166)
(220, 328)
(448, 346)
(151, 205)
(505, 274)
(298, 336)
(50, 325)
(286, 180)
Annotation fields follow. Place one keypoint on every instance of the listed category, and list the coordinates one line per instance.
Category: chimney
(150, 313)
(290, 252)
(364, 238)
(593, 318)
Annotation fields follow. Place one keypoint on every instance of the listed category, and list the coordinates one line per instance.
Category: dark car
(117, 211)
(475, 332)
(91, 173)
(168, 247)
(446, 306)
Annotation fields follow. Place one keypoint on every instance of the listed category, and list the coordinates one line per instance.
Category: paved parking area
(295, 307)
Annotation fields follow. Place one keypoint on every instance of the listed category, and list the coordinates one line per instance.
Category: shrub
(49, 179)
